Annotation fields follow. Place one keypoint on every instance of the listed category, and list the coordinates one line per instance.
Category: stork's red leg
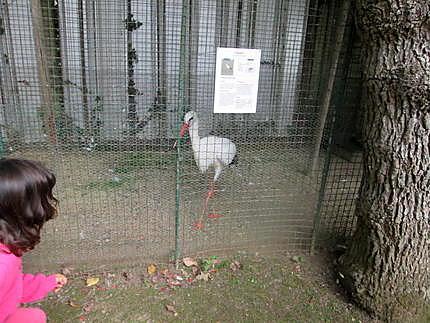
(205, 207)
(211, 191)
(198, 225)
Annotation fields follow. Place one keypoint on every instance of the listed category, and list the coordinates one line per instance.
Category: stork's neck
(194, 132)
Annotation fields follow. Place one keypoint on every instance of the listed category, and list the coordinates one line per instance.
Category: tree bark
(386, 269)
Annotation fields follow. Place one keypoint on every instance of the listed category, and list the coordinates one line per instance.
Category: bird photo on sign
(209, 152)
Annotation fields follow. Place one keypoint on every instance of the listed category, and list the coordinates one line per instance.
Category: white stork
(208, 151)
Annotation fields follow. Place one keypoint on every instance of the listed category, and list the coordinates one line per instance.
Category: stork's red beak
(184, 129)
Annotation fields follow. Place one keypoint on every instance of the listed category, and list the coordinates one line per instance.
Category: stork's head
(189, 116)
(188, 120)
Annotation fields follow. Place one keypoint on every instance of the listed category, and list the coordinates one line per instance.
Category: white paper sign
(236, 80)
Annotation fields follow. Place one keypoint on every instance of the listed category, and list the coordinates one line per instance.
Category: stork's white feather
(209, 151)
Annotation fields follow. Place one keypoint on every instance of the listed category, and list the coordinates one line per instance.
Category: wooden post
(42, 57)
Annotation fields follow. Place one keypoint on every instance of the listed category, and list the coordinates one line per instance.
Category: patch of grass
(134, 161)
(424, 316)
(127, 166)
(213, 263)
(410, 308)
(109, 184)
(264, 290)
(80, 303)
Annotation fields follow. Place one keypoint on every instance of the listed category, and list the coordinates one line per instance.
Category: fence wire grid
(97, 90)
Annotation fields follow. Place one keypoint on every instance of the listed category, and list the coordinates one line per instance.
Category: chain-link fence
(98, 90)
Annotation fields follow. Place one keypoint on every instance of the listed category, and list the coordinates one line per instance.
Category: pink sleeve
(36, 287)
(3, 275)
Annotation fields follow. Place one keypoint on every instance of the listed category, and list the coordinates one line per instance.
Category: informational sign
(236, 80)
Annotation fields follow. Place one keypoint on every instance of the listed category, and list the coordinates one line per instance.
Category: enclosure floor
(120, 206)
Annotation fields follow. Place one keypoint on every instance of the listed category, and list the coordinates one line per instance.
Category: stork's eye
(190, 119)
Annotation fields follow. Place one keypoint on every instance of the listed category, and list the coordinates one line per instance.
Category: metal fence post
(1, 146)
(328, 88)
(326, 168)
(180, 115)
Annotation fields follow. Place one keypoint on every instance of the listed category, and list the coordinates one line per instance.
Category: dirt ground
(117, 211)
(119, 206)
(241, 288)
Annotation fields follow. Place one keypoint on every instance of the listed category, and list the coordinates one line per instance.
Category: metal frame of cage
(67, 56)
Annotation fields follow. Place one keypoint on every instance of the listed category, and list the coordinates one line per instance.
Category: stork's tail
(235, 160)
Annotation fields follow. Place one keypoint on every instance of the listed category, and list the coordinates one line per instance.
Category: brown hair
(26, 203)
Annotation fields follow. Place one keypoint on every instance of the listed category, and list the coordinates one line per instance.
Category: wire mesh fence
(345, 161)
(98, 90)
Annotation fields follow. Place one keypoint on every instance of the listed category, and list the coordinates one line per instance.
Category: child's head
(26, 203)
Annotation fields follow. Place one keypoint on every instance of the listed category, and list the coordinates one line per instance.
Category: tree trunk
(386, 268)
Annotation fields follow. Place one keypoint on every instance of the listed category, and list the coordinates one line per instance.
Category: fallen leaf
(175, 283)
(171, 309)
(171, 275)
(188, 262)
(203, 276)
(152, 269)
(88, 307)
(235, 265)
(91, 281)
(156, 279)
(73, 304)
(195, 270)
(164, 272)
(66, 271)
